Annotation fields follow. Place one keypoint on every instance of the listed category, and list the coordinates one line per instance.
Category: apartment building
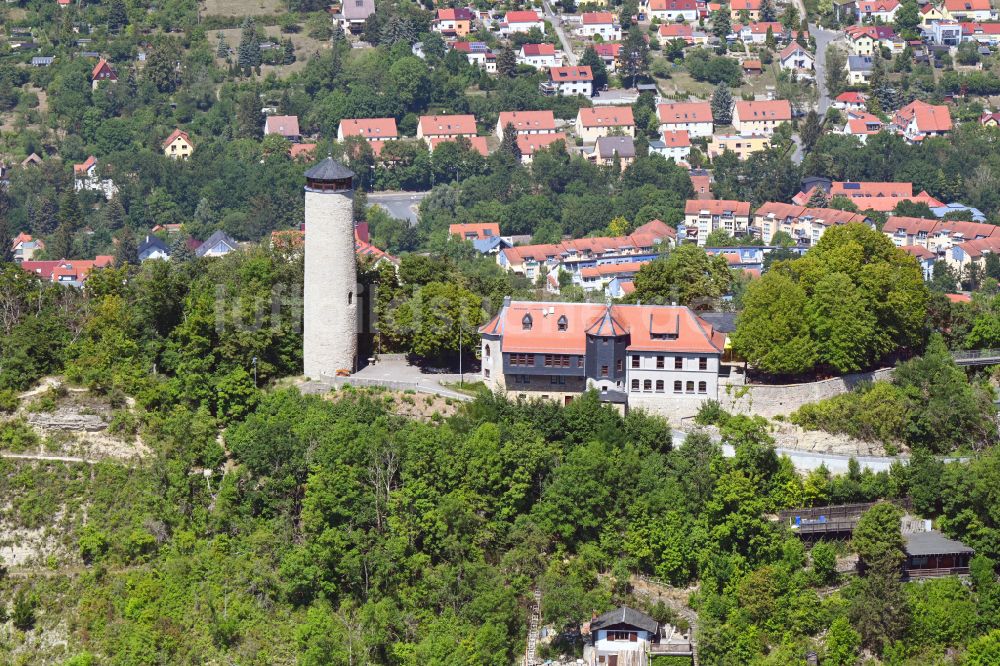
(703, 216)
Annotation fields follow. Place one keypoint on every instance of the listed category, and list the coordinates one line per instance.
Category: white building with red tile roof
(805, 225)
(693, 117)
(539, 56)
(918, 120)
(446, 127)
(674, 146)
(529, 144)
(286, 126)
(662, 358)
(751, 7)
(672, 11)
(521, 21)
(703, 216)
(862, 125)
(575, 80)
(526, 122)
(851, 101)
(938, 236)
(595, 122)
(871, 10)
(178, 145)
(761, 117)
(797, 59)
(375, 130)
(603, 24)
(969, 10)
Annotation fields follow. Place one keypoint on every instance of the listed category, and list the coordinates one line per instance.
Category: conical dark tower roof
(329, 169)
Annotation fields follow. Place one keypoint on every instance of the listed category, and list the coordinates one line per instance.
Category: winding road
(560, 33)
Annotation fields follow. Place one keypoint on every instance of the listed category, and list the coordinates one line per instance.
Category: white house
(969, 10)
(693, 117)
(674, 146)
(795, 58)
(869, 10)
(604, 24)
(570, 81)
(218, 244)
(671, 11)
(521, 21)
(539, 56)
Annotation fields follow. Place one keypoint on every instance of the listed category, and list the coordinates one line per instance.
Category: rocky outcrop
(67, 420)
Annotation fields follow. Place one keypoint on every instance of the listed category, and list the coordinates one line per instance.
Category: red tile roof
(749, 5)
(103, 64)
(825, 216)
(777, 110)
(598, 18)
(959, 298)
(672, 5)
(447, 125)
(607, 116)
(529, 143)
(460, 14)
(967, 5)
(852, 98)
(301, 150)
(79, 169)
(521, 17)
(928, 117)
(560, 74)
(283, 125)
(684, 112)
(370, 128)
(478, 143)
(525, 121)
(676, 30)
(174, 136)
(911, 226)
(646, 326)
(918, 251)
(538, 49)
(752, 65)
(481, 230)
(677, 139)
(716, 207)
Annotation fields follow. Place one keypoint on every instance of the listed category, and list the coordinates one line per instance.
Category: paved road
(823, 39)
(400, 205)
(560, 33)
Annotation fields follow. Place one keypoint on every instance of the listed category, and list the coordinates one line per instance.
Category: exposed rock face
(68, 420)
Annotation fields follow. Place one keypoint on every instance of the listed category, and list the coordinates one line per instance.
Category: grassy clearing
(244, 7)
(305, 47)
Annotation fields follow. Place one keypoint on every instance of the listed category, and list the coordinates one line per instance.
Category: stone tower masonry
(330, 317)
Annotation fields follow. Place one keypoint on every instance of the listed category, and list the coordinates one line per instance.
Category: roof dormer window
(526, 322)
(562, 323)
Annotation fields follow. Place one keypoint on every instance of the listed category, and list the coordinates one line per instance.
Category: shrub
(25, 604)
(711, 413)
(8, 401)
(17, 436)
(93, 544)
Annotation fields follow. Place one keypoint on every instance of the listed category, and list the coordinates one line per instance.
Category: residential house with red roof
(526, 122)
(71, 272)
(761, 117)
(750, 7)
(742, 145)
(446, 127)
(918, 120)
(756, 32)
(662, 358)
(644, 244)
(669, 32)
(595, 122)
(302, 151)
(521, 21)
(884, 10)
(672, 11)
(529, 144)
(478, 143)
(941, 236)
(796, 59)
(851, 101)
(478, 54)
(603, 24)
(539, 56)
(24, 247)
(983, 33)
(805, 225)
(178, 145)
(569, 81)
(610, 54)
(695, 118)
(374, 130)
(703, 216)
(484, 236)
(86, 177)
(675, 145)
(103, 72)
(862, 125)
(451, 22)
(880, 197)
(969, 10)
(284, 126)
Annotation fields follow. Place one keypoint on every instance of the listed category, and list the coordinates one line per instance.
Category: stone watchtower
(330, 317)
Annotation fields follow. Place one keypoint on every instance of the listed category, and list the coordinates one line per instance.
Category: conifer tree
(509, 142)
(223, 50)
(127, 251)
(248, 54)
(117, 15)
(722, 105)
(506, 62)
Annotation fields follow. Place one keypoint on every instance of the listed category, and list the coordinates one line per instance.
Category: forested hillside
(335, 531)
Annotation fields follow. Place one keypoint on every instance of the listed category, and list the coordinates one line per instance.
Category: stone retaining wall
(781, 400)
